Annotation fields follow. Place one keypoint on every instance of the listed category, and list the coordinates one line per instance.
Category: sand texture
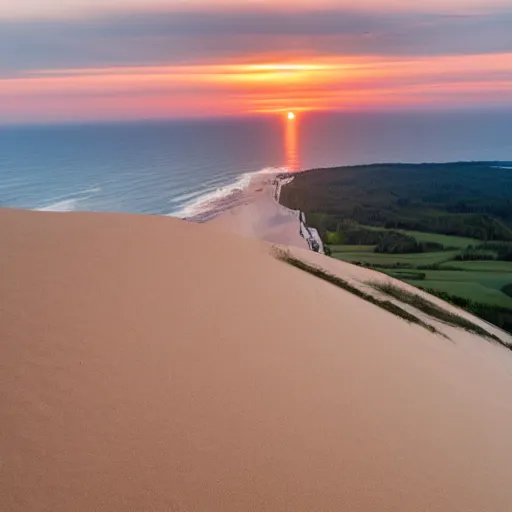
(150, 364)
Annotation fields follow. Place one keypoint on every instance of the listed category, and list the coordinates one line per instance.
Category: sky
(65, 60)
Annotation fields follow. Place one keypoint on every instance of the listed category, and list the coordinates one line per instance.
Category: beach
(256, 212)
(150, 363)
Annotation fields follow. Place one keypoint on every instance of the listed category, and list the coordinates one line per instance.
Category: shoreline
(262, 216)
(257, 213)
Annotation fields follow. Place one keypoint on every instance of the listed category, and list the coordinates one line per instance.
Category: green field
(446, 240)
(413, 260)
(482, 266)
(480, 281)
(483, 286)
(468, 290)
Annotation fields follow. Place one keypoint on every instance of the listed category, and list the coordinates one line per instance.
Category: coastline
(256, 212)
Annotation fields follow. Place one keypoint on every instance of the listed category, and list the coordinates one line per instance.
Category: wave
(206, 187)
(70, 202)
(68, 205)
(221, 198)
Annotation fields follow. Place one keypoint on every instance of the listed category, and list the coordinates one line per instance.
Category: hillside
(152, 364)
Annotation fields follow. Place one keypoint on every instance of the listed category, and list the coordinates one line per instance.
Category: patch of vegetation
(392, 242)
(407, 275)
(433, 310)
(341, 283)
(383, 240)
(475, 255)
(447, 241)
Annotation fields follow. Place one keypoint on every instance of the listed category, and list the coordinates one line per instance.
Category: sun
(291, 116)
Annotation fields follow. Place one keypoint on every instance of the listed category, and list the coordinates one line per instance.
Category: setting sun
(291, 116)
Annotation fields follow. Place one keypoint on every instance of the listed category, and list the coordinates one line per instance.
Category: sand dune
(152, 364)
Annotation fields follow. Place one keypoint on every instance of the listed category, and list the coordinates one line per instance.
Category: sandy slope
(363, 278)
(147, 364)
(261, 217)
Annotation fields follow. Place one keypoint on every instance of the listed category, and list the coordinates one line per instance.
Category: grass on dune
(341, 283)
(433, 310)
(404, 296)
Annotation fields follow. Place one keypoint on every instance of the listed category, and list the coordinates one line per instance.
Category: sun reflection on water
(292, 143)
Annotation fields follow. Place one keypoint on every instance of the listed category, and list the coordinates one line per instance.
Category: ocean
(183, 168)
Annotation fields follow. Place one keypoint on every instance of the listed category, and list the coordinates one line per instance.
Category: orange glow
(292, 144)
(291, 116)
(271, 86)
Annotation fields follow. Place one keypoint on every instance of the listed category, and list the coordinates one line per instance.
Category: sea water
(182, 168)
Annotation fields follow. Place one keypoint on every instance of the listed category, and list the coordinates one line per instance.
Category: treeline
(489, 251)
(481, 227)
(472, 200)
(387, 242)
(502, 250)
(500, 208)
(497, 315)
(398, 243)
(469, 255)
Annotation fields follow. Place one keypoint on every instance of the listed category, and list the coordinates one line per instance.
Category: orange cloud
(329, 83)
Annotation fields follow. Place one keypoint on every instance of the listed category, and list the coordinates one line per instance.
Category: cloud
(202, 36)
(331, 83)
(199, 61)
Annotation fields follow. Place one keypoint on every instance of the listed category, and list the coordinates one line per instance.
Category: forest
(463, 199)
